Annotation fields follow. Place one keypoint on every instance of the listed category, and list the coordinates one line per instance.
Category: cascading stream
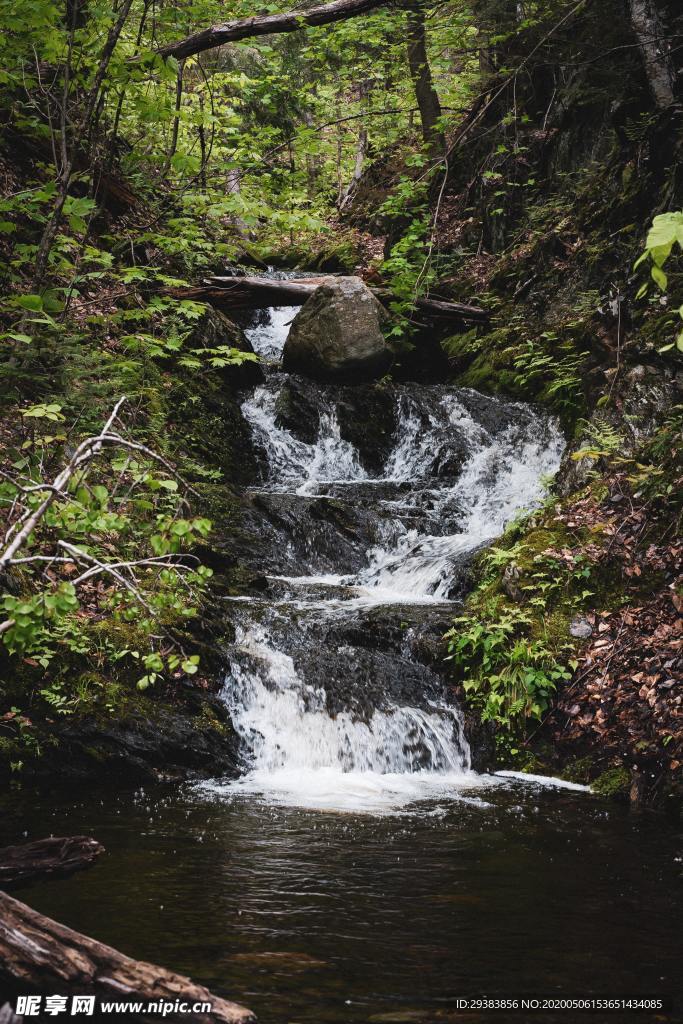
(310, 691)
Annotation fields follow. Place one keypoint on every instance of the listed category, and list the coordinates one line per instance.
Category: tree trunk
(361, 152)
(421, 74)
(53, 856)
(52, 224)
(312, 161)
(39, 954)
(176, 119)
(654, 47)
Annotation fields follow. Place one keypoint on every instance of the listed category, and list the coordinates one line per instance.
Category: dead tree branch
(267, 24)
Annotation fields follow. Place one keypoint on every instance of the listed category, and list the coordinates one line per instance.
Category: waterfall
(293, 463)
(315, 698)
(298, 753)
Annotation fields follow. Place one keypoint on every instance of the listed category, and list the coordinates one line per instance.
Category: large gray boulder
(336, 336)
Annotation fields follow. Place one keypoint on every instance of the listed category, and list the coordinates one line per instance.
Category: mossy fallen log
(40, 955)
(54, 856)
(261, 292)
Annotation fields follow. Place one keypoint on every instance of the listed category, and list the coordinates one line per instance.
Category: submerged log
(260, 292)
(53, 856)
(39, 954)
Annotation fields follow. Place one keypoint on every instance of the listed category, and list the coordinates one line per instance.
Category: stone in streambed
(337, 336)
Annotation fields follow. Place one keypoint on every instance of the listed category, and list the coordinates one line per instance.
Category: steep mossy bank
(579, 606)
(78, 707)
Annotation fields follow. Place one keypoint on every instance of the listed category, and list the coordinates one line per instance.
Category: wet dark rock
(366, 414)
(296, 411)
(337, 335)
(481, 737)
(367, 419)
(449, 462)
(313, 534)
(196, 735)
(368, 658)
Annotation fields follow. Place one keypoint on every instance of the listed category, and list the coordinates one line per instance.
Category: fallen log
(267, 24)
(260, 292)
(53, 856)
(39, 954)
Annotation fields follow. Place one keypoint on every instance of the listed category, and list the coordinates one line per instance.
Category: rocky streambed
(367, 503)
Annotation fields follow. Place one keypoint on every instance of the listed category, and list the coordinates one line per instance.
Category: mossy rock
(615, 782)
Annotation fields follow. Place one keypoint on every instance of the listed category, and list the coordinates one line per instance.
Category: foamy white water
(299, 754)
(353, 792)
(468, 479)
(293, 463)
(503, 475)
(542, 780)
(268, 339)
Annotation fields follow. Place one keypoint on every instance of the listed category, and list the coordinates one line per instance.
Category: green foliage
(665, 234)
(554, 367)
(612, 782)
(509, 677)
(601, 440)
(106, 545)
(512, 649)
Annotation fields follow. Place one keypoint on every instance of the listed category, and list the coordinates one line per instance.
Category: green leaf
(659, 277)
(32, 302)
(25, 339)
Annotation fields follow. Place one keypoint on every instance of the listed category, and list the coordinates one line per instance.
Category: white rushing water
(294, 464)
(298, 753)
(503, 475)
(267, 339)
(303, 756)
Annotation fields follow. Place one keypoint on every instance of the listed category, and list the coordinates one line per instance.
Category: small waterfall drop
(298, 753)
(316, 694)
(293, 463)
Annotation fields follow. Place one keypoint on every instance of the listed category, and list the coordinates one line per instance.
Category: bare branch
(28, 522)
(78, 555)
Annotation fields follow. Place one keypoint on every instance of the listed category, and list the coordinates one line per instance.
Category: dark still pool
(321, 916)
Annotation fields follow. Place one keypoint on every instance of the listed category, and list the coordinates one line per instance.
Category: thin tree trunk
(234, 188)
(421, 74)
(109, 162)
(64, 179)
(361, 152)
(654, 47)
(312, 161)
(176, 119)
